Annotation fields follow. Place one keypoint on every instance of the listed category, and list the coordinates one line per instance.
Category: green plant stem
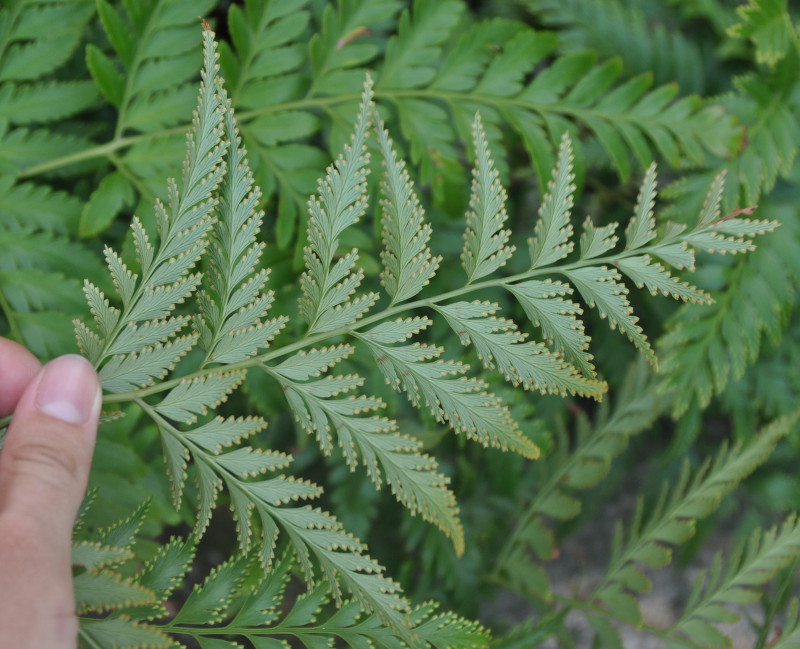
(86, 640)
(501, 103)
(103, 150)
(373, 319)
(14, 330)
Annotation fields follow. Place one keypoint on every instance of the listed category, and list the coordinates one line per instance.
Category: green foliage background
(95, 101)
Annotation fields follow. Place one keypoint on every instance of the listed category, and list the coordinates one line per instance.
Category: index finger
(17, 369)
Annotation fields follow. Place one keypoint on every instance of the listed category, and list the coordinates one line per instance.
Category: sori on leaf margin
(215, 213)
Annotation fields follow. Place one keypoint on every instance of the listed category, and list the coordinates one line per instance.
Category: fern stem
(451, 98)
(15, 333)
(391, 312)
(132, 72)
(103, 150)
(99, 151)
(123, 169)
(88, 640)
(298, 632)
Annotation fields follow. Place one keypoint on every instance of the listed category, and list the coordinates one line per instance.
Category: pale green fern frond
(213, 218)
(149, 297)
(452, 398)
(342, 200)
(707, 348)
(321, 410)
(499, 343)
(235, 602)
(137, 344)
(233, 303)
(485, 242)
(407, 259)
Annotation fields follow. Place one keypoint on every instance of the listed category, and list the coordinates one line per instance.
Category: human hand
(44, 466)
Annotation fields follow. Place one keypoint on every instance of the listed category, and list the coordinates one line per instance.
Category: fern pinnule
(641, 228)
(553, 230)
(453, 398)
(499, 343)
(233, 304)
(327, 287)
(486, 245)
(408, 264)
(547, 306)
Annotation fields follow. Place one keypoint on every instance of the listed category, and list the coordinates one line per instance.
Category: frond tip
(407, 259)
(486, 245)
(327, 302)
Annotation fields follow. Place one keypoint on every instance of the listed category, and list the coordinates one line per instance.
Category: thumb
(47, 453)
(44, 466)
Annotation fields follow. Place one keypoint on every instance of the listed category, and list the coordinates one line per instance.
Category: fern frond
(149, 297)
(214, 214)
(707, 348)
(38, 291)
(39, 38)
(766, 103)
(38, 93)
(239, 603)
(735, 582)
(230, 601)
(671, 520)
(644, 38)
(622, 117)
(255, 501)
(327, 287)
(107, 601)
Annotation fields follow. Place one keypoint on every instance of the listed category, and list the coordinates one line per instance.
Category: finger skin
(18, 367)
(44, 467)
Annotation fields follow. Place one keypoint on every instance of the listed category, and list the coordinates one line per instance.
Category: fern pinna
(212, 215)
